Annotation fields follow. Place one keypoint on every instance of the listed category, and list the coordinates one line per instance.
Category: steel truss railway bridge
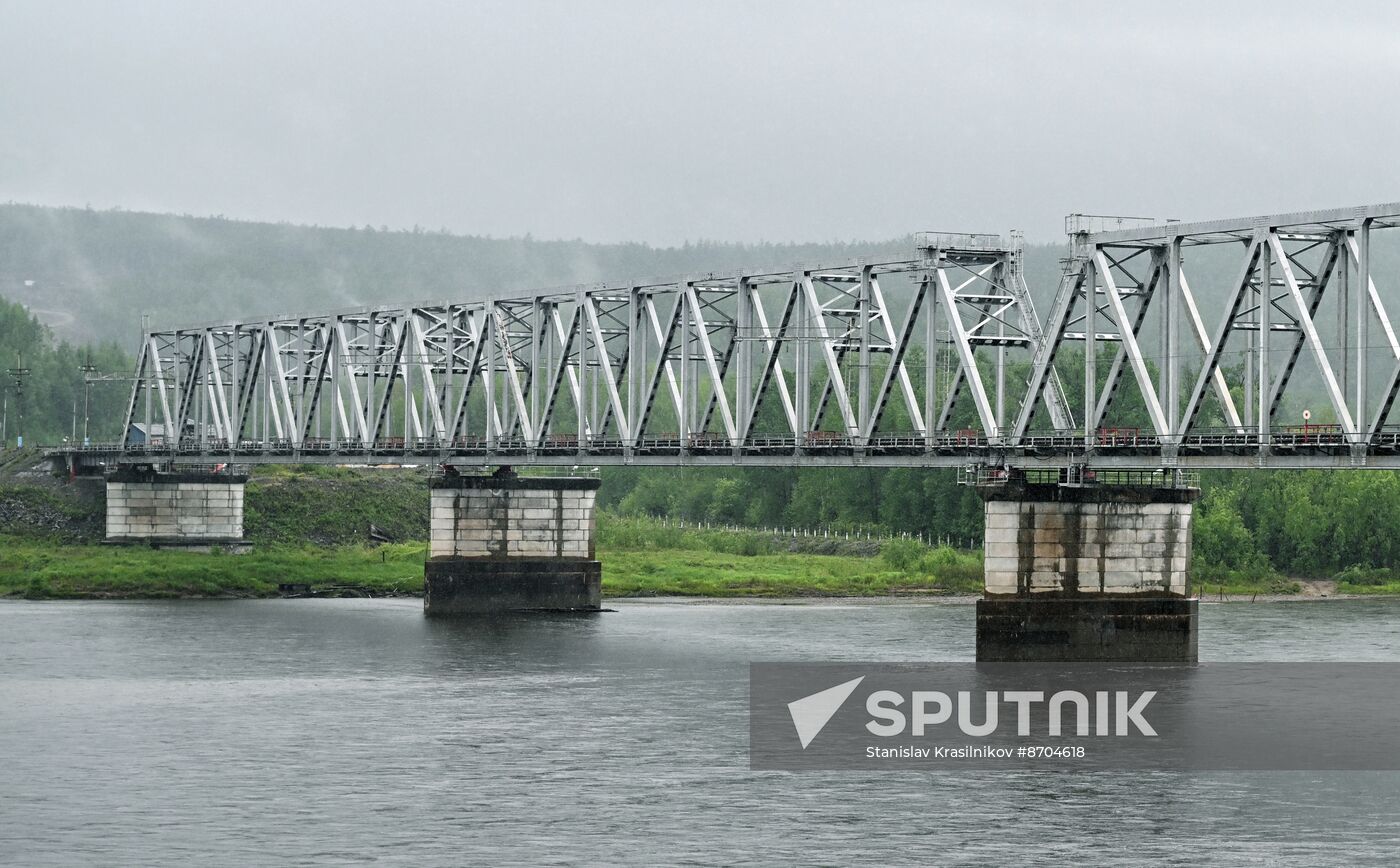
(1164, 345)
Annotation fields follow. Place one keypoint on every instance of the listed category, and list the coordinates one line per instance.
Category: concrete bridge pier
(1086, 573)
(188, 509)
(505, 543)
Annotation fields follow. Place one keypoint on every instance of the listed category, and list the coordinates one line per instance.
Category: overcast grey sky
(666, 121)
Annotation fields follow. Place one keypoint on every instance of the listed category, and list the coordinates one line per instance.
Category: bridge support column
(505, 543)
(1086, 573)
(175, 510)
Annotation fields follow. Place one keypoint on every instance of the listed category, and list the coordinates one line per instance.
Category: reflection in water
(325, 730)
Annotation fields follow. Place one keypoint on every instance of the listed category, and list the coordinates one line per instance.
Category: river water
(335, 731)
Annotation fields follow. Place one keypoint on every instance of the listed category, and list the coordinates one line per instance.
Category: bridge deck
(1226, 449)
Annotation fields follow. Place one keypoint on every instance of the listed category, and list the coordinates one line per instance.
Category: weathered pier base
(175, 510)
(505, 543)
(1086, 573)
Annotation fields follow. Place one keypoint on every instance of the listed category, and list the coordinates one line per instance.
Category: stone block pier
(175, 510)
(1086, 573)
(505, 543)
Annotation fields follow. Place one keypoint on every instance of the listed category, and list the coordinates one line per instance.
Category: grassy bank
(1362, 580)
(1389, 589)
(311, 526)
(640, 558)
(1243, 584)
(334, 506)
(643, 558)
(40, 570)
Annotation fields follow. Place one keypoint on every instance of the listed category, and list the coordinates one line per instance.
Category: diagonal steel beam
(194, 374)
(967, 358)
(896, 365)
(360, 418)
(906, 385)
(718, 396)
(1317, 287)
(833, 366)
(1198, 330)
(381, 418)
(512, 371)
(1305, 321)
(1043, 362)
(1253, 251)
(565, 369)
(610, 378)
(474, 373)
(772, 368)
(323, 363)
(1150, 287)
(430, 392)
(1128, 342)
(664, 368)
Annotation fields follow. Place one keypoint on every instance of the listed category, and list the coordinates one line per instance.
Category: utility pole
(88, 369)
(17, 374)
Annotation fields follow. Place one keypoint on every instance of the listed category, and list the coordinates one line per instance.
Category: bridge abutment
(505, 543)
(1086, 573)
(175, 510)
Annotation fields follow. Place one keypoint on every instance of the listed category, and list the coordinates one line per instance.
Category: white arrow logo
(810, 714)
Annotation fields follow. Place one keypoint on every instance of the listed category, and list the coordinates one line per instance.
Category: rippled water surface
(333, 731)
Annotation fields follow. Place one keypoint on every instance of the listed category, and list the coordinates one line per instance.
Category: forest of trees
(46, 403)
(90, 275)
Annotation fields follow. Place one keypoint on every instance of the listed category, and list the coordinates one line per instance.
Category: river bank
(39, 570)
(321, 530)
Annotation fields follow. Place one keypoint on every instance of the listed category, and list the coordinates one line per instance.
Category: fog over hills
(90, 275)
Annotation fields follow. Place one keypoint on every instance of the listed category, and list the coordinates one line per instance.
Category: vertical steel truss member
(922, 356)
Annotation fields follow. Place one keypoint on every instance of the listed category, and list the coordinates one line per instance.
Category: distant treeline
(1307, 523)
(1249, 524)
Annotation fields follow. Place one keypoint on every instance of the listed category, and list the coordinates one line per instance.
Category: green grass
(1368, 580)
(715, 574)
(310, 525)
(334, 506)
(1243, 585)
(1382, 589)
(640, 558)
(1210, 580)
(37, 570)
(675, 563)
(643, 557)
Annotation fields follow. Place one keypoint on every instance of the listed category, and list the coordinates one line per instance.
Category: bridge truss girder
(816, 355)
(1286, 267)
(893, 360)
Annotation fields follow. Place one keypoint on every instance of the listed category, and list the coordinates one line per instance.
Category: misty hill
(90, 275)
